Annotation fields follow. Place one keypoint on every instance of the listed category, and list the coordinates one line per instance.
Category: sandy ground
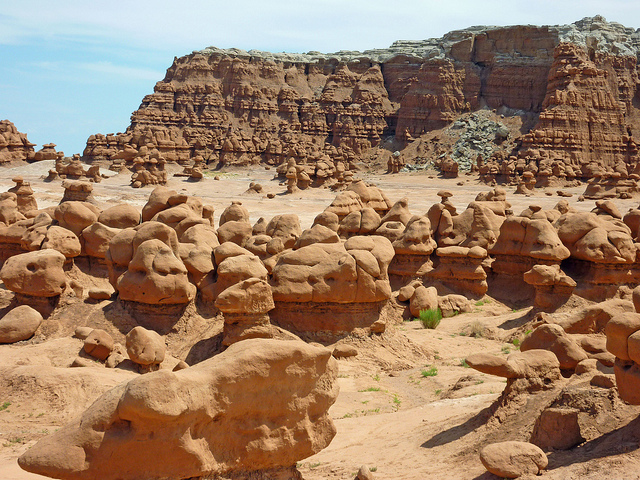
(408, 406)
(419, 187)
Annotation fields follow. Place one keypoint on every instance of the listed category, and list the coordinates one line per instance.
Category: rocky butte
(573, 86)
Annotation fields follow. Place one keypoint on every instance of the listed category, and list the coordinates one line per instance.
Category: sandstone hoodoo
(14, 144)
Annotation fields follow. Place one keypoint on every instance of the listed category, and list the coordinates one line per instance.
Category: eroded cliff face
(587, 114)
(14, 145)
(232, 106)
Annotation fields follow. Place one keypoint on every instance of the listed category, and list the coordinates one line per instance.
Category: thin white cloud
(325, 25)
(109, 68)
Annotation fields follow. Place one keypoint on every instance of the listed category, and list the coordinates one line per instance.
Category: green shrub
(430, 318)
(432, 372)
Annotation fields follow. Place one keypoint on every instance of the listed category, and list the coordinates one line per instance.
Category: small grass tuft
(13, 441)
(463, 363)
(476, 330)
(371, 389)
(430, 318)
(4, 406)
(373, 469)
(432, 372)
(438, 391)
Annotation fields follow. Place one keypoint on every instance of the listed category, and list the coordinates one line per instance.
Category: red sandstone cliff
(242, 107)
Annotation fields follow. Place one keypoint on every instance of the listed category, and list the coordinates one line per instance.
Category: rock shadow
(622, 440)
(204, 349)
(455, 433)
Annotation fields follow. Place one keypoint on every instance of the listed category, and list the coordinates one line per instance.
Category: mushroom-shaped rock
(145, 347)
(552, 286)
(155, 276)
(20, 323)
(261, 404)
(338, 287)
(513, 459)
(38, 274)
(245, 306)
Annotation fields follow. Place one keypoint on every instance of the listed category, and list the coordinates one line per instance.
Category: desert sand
(408, 407)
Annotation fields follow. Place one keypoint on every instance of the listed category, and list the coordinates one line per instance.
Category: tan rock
(279, 391)
(424, 298)
(249, 296)
(618, 331)
(513, 459)
(145, 347)
(20, 323)
(120, 216)
(99, 344)
(39, 273)
(63, 240)
(529, 364)
(155, 276)
(75, 216)
(553, 338)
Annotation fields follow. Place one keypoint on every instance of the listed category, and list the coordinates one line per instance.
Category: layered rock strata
(324, 112)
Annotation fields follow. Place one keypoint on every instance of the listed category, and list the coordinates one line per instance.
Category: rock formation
(262, 405)
(13, 144)
(324, 112)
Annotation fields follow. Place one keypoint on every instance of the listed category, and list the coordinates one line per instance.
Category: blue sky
(69, 69)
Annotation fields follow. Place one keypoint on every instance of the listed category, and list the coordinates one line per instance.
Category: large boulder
(63, 240)
(19, 324)
(513, 459)
(145, 347)
(120, 216)
(262, 404)
(553, 338)
(76, 216)
(38, 274)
